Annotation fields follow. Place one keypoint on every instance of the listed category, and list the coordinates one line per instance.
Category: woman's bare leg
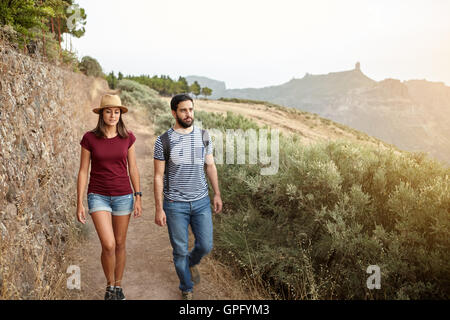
(103, 225)
(120, 227)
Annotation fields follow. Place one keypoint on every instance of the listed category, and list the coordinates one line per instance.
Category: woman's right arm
(81, 183)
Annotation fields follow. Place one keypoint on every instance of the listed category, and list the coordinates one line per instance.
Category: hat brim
(123, 108)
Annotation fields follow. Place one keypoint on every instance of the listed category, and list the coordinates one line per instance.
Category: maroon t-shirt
(109, 175)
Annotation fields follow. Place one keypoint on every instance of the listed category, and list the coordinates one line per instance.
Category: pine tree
(206, 91)
(195, 88)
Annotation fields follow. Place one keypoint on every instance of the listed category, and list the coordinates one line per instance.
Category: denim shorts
(117, 205)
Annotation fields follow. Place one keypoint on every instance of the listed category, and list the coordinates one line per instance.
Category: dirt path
(149, 271)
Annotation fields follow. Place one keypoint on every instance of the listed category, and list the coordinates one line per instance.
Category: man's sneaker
(119, 293)
(187, 295)
(195, 275)
(110, 293)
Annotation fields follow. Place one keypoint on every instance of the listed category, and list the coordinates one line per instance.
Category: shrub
(333, 209)
(136, 94)
(90, 67)
(70, 59)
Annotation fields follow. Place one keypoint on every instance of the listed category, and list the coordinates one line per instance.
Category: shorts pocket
(90, 200)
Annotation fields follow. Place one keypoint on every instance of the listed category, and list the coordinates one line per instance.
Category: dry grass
(230, 283)
(30, 270)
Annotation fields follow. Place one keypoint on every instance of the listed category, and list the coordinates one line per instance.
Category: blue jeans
(179, 215)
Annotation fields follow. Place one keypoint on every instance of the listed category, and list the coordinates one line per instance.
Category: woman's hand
(81, 215)
(138, 207)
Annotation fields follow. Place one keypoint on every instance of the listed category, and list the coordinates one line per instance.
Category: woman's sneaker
(119, 293)
(110, 293)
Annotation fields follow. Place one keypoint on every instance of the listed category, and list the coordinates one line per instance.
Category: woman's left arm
(134, 175)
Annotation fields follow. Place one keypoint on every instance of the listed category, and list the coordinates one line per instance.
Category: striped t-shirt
(187, 181)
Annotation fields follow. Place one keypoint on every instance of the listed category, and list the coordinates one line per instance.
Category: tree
(112, 80)
(183, 85)
(23, 15)
(195, 88)
(206, 91)
(32, 18)
(120, 76)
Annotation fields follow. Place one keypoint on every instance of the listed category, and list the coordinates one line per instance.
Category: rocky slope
(42, 116)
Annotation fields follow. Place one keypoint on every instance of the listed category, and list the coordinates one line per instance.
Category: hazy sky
(257, 43)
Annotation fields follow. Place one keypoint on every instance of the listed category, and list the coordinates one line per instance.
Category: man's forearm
(158, 191)
(211, 171)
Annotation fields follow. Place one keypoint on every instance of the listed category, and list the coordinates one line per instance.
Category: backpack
(166, 150)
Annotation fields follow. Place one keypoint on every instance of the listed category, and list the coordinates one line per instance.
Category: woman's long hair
(100, 132)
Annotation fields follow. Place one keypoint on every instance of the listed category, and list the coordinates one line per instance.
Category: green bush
(136, 94)
(333, 209)
(90, 67)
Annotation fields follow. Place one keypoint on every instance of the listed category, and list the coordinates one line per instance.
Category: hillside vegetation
(333, 209)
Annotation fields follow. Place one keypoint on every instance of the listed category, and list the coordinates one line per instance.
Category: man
(180, 155)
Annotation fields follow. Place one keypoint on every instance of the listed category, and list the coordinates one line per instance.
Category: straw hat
(110, 100)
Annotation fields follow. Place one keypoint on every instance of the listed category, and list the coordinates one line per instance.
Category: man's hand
(217, 203)
(160, 217)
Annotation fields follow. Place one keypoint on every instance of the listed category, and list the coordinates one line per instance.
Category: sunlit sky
(257, 43)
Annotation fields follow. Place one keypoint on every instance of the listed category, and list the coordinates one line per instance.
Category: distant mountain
(413, 115)
(310, 92)
(218, 87)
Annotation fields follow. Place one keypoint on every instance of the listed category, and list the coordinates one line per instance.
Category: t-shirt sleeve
(85, 142)
(158, 152)
(209, 148)
(131, 139)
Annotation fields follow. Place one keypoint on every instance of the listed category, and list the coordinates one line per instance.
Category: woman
(110, 197)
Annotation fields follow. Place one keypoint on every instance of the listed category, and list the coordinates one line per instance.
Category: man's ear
(174, 114)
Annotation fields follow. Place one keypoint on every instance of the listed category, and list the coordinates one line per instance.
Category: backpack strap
(166, 145)
(166, 151)
(205, 138)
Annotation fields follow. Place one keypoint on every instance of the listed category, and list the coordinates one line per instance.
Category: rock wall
(43, 113)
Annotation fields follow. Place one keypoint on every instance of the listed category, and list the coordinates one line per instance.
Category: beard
(185, 124)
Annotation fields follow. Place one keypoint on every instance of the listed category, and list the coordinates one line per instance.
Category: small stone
(10, 210)
(3, 230)
(11, 194)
